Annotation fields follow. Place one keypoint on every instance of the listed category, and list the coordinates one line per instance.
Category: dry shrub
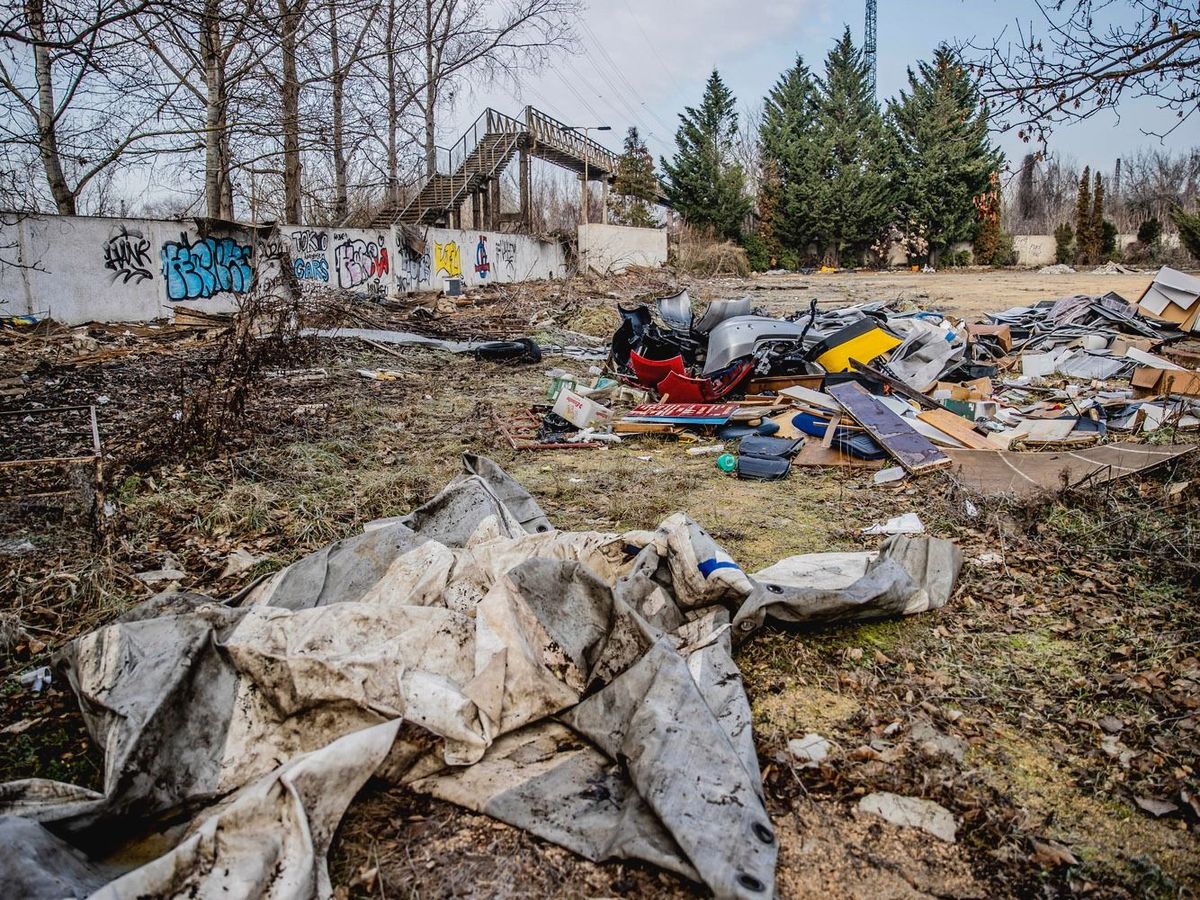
(702, 255)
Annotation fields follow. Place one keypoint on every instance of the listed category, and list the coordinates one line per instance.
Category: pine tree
(1096, 233)
(635, 185)
(1083, 216)
(1027, 201)
(1189, 230)
(703, 182)
(942, 153)
(848, 197)
(786, 138)
(770, 214)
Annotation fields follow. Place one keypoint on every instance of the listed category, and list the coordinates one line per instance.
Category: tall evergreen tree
(703, 182)
(635, 185)
(848, 197)
(786, 137)
(1083, 216)
(1097, 220)
(943, 157)
(1189, 229)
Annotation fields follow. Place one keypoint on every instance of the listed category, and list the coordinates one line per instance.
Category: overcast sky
(641, 61)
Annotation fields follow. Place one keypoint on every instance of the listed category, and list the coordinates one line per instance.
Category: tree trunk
(393, 112)
(64, 197)
(218, 190)
(289, 101)
(430, 93)
(341, 201)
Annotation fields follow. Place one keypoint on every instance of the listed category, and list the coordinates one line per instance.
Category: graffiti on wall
(482, 265)
(361, 264)
(308, 254)
(446, 259)
(127, 256)
(506, 259)
(207, 267)
(413, 271)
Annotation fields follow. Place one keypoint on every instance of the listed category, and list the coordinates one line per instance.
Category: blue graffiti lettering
(210, 266)
(316, 269)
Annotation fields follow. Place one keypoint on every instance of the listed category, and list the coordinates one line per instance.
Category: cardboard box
(1002, 333)
(1148, 382)
(580, 411)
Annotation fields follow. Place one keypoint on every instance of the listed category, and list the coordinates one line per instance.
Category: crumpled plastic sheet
(925, 355)
(578, 685)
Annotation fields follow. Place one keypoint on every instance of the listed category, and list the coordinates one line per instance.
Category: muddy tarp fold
(579, 685)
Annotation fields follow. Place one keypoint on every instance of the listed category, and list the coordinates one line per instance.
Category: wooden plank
(1011, 472)
(778, 382)
(914, 452)
(622, 427)
(809, 397)
(831, 430)
(813, 454)
(956, 427)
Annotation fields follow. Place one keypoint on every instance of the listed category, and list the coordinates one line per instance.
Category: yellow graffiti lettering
(447, 259)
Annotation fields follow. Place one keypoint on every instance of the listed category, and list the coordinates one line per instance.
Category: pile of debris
(868, 384)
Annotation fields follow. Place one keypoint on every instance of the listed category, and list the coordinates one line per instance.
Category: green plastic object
(726, 462)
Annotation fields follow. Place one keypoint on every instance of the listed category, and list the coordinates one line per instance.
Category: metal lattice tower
(869, 46)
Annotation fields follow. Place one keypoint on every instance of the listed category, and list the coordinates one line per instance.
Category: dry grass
(1028, 656)
(702, 256)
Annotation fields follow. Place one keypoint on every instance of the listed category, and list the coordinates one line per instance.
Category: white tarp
(578, 685)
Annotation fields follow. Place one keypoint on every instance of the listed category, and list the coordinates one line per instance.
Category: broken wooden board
(955, 426)
(1011, 472)
(813, 454)
(914, 452)
(776, 383)
(622, 427)
(809, 397)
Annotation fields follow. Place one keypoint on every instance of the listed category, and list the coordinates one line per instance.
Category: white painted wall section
(82, 269)
(614, 248)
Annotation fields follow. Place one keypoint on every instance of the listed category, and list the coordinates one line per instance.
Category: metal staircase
(483, 152)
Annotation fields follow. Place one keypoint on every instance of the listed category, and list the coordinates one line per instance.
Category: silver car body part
(676, 311)
(737, 337)
(720, 310)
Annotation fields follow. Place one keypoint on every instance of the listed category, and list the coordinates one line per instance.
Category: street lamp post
(584, 191)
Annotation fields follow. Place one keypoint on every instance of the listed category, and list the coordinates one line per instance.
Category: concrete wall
(613, 248)
(80, 269)
(480, 258)
(1038, 249)
(1034, 249)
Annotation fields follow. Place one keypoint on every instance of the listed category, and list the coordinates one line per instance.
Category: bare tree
(457, 37)
(1084, 56)
(341, 68)
(75, 93)
(1156, 181)
(207, 51)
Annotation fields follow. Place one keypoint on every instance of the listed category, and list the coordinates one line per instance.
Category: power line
(653, 49)
(615, 92)
(647, 129)
(617, 70)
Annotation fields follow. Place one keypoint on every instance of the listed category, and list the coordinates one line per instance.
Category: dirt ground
(966, 293)
(1053, 706)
